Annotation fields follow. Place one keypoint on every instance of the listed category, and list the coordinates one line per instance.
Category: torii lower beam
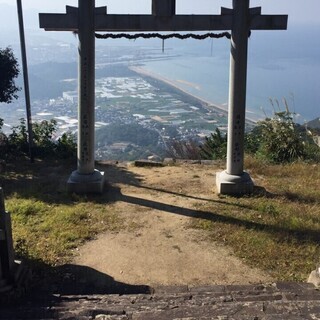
(87, 19)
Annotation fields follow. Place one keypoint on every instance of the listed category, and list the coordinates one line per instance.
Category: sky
(300, 11)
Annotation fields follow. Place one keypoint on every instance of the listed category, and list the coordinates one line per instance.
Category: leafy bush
(215, 146)
(66, 146)
(252, 140)
(43, 133)
(312, 151)
(280, 140)
(18, 139)
(44, 143)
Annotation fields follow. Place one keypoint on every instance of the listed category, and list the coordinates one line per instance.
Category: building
(70, 96)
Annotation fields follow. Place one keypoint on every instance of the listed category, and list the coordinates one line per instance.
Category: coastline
(208, 104)
(143, 72)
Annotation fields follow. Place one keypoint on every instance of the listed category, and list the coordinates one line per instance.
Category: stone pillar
(234, 180)
(86, 179)
(6, 244)
(86, 87)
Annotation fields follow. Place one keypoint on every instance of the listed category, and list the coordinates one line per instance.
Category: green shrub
(280, 139)
(66, 146)
(215, 146)
(277, 140)
(252, 140)
(43, 133)
(44, 144)
(312, 152)
(18, 139)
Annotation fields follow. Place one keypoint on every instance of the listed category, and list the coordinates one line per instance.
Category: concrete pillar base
(314, 277)
(234, 184)
(86, 183)
(14, 288)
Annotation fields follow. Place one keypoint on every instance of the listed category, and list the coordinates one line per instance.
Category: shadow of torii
(115, 194)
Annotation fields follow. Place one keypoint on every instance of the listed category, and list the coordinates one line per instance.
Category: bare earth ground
(157, 247)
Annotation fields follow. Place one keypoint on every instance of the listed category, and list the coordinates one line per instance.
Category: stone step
(277, 301)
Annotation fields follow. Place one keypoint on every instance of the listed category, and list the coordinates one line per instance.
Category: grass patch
(49, 232)
(276, 230)
(48, 224)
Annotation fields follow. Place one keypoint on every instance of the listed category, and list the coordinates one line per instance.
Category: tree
(8, 72)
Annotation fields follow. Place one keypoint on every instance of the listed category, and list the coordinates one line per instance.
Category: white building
(70, 96)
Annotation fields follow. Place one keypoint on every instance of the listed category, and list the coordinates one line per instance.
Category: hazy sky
(300, 11)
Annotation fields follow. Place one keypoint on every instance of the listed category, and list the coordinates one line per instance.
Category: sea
(283, 69)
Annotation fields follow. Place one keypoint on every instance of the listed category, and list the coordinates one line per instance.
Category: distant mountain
(314, 124)
(46, 79)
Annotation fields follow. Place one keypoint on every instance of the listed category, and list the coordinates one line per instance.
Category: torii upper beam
(159, 21)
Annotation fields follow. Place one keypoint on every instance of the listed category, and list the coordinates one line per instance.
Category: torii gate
(86, 19)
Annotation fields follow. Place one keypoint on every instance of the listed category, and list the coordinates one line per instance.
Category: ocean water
(281, 65)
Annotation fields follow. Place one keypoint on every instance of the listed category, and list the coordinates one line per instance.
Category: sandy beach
(147, 73)
(208, 104)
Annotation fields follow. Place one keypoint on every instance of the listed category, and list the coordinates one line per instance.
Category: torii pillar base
(235, 185)
(86, 183)
(314, 277)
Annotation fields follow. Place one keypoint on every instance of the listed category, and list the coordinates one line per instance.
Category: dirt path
(158, 247)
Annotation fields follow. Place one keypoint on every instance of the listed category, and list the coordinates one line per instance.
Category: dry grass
(278, 228)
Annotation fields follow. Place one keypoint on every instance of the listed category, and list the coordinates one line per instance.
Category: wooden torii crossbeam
(87, 19)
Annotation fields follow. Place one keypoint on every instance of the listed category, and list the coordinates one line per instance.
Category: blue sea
(281, 65)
